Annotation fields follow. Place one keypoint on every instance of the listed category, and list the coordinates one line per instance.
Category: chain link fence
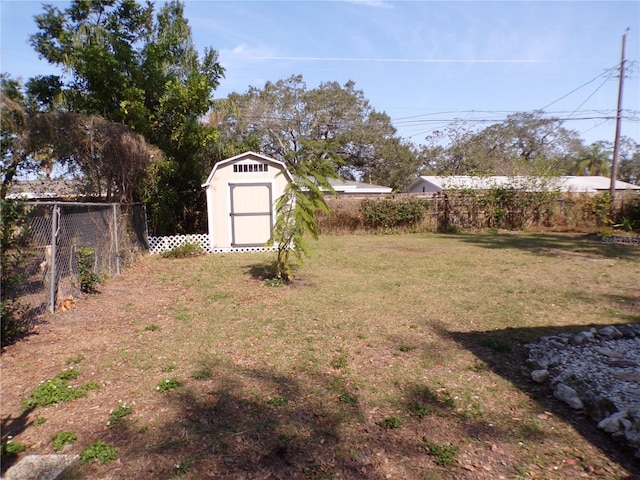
(112, 235)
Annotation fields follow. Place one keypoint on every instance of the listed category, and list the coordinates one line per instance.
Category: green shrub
(631, 212)
(12, 448)
(63, 438)
(391, 423)
(86, 276)
(14, 232)
(168, 384)
(444, 454)
(99, 452)
(392, 213)
(52, 391)
(187, 249)
(117, 414)
(625, 224)
(599, 206)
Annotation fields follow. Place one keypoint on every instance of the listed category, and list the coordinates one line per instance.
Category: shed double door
(251, 214)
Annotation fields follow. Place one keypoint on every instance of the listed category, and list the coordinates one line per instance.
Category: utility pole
(616, 142)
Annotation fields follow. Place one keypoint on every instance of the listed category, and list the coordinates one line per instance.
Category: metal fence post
(115, 230)
(55, 214)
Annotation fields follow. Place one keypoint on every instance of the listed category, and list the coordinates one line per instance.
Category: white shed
(242, 192)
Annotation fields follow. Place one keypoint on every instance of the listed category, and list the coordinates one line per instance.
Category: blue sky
(424, 63)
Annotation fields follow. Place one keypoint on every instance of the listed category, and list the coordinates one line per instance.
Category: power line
(500, 119)
(607, 71)
(587, 99)
(565, 115)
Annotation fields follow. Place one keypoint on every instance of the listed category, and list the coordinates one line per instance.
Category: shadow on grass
(266, 272)
(262, 271)
(554, 244)
(277, 429)
(10, 427)
(504, 352)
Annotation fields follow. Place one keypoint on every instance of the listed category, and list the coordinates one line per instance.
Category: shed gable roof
(244, 157)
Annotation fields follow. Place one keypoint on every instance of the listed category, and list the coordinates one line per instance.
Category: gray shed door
(251, 214)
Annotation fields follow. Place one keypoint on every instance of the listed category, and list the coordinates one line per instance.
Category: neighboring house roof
(348, 187)
(584, 184)
(58, 189)
(596, 184)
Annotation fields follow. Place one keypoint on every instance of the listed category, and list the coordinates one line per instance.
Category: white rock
(42, 467)
(540, 376)
(610, 332)
(568, 395)
(613, 423)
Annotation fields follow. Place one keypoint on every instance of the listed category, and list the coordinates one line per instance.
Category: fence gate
(116, 234)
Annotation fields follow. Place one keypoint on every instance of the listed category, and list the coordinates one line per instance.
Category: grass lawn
(388, 357)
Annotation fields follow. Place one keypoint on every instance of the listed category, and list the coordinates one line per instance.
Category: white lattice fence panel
(158, 245)
(163, 244)
(244, 249)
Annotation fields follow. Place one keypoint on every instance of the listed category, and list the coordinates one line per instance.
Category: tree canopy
(524, 143)
(282, 116)
(13, 124)
(629, 161)
(143, 72)
(111, 160)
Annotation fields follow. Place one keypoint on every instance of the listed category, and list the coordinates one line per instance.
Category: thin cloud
(388, 60)
(370, 3)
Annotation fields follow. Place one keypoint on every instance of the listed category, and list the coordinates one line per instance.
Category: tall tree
(318, 133)
(125, 65)
(284, 115)
(594, 160)
(108, 157)
(13, 125)
(629, 161)
(524, 143)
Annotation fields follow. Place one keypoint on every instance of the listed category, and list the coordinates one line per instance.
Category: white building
(585, 184)
(242, 193)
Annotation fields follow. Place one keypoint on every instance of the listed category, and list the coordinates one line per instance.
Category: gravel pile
(597, 371)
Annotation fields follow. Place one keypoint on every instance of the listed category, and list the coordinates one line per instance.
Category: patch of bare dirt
(93, 329)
